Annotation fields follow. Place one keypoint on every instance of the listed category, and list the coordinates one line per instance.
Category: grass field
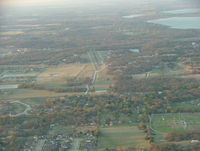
(34, 101)
(187, 105)
(121, 136)
(175, 121)
(60, 129)
(17, 108)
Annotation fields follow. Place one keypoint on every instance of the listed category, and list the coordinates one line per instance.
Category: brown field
(103, 80)
(102, 86)
(10, 33)
(59, 73)
(39, 93)
(86, 128)
(87, 71)
(103, 74)
(179, 72)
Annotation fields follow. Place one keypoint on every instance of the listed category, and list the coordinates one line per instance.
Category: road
(150, 126)
(87, 89)
(95, 72)
(3, 73)
(39, 145)
(25, 112)
(76, 144)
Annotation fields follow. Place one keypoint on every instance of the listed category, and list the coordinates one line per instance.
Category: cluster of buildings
(63, 142)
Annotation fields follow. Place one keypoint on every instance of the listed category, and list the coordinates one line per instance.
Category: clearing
(175, 122)
(121, 136)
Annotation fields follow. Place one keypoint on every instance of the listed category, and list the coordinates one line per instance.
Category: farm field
(29, 93)
(60, 129)
(180, 72)
(103, 80)
(34, 101)
(121, 136)
(55, 77)
(59, 73)
(163, 123)
(17, 108)
(100, 80)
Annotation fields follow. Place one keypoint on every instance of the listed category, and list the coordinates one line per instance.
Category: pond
(14, 86)
(134, 50)
(101, 91)
(183, 11)
(179, 22)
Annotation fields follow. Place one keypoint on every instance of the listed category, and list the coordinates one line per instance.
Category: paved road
(87, 89)
(95, 73)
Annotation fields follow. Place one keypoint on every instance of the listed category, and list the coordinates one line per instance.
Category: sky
(27, 1)
(73, 2)
(87, 3)
(23, 1)
(57, 1)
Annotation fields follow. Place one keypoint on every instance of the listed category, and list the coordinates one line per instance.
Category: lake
(14, 86)
(183, 11)
(19, 75)
(179, 22)
(134, 50)
(132, 16)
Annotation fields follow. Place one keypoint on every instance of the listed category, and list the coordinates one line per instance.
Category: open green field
(60, 129)
(17, 108)
(175, 122)
(34, 101)
(187, 106)
(121, 136)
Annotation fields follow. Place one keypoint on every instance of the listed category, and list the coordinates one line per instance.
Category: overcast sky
(97, 3)
(70, 1)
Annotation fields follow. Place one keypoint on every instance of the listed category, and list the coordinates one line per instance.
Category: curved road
(25, 112)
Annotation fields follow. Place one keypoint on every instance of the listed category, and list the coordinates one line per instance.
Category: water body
(19, 75)
(14, 86)
(134, 50)
(132, 16)
(179, 22)
(183, 11)
(101, 91)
